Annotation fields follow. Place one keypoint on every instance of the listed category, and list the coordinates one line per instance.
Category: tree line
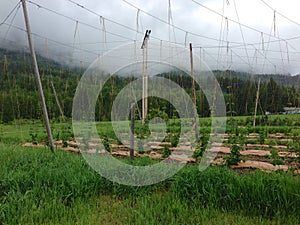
(19, 97)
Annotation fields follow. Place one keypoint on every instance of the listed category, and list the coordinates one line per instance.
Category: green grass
(164, 208)
(38, 187)
(255, 194)
(19, 131)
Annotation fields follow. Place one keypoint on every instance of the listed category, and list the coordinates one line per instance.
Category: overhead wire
(140, 10)
(98, 15)
(125, 26)
(273, 28)
(281, 14)
(10, 13)
(52, 40)
(221, 31)
(241, 30)
(172, 25)
(251, 44)
(75, 20)
(243, 25)
(13, 19)
(233, 44)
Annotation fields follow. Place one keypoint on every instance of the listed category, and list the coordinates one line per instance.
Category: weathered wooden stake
(194, 95)
(38, 79)
(57, 102)
(145, 76)
(132, 109)
(256, 103)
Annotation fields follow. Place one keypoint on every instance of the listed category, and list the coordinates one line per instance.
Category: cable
(140, 10)
(172, 25)
(244, 25)
(236, 11)
(98, 15)
(253, 44)
(10, 13)
(74, 20)
(96, 54)
(91, 26)
(54, 41)
(13, 19)
(221, 31)
(235, 44)
(298, 24)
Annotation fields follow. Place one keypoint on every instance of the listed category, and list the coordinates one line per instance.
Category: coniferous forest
(19, 97)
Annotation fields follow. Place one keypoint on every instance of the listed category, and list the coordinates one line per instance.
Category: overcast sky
(264, 43)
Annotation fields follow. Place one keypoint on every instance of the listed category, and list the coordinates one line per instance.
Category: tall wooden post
(57, 101)
(146, 80)
(38, 79)
(145, 76)
(132, 110)
(194, 95)
(143, 88)
(5, 65)
(256, 103)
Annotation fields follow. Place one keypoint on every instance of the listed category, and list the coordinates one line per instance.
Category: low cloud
(65, 40)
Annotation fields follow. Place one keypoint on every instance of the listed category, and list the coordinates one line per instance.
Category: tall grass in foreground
(257, 193)
(165, 208)
(38, 187)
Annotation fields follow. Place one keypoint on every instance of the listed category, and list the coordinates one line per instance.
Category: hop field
(39, 187)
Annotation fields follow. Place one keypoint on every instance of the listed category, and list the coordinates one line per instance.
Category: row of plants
(266, 120)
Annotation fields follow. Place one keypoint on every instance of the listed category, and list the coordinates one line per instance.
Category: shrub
(262, 136)
(277, 162)
(174, 140)
(274, 153)
(106, 144)
(140, 147)
(201, 146)
(235, 156)
(33, 138)
(166, 152)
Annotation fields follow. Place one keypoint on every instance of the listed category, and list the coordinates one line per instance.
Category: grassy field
(38, 187)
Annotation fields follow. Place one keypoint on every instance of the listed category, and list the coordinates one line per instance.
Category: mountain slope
(285, 80)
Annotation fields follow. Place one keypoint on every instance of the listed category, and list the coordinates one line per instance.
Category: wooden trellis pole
(256, 103)
(194, 95)
(5, 65)
(38, 78)
(57, 101)
(145, 76)
(132, 110)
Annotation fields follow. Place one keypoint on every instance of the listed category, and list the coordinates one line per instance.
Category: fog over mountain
(252, 36)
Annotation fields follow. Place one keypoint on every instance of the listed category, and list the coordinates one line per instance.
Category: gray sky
(264, 43)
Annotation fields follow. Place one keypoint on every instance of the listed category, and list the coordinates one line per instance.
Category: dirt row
(254, 156)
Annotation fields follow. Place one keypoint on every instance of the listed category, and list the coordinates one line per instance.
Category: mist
(76, 36)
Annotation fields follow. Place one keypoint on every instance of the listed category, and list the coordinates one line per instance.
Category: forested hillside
(285, 80)
(19, 97)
